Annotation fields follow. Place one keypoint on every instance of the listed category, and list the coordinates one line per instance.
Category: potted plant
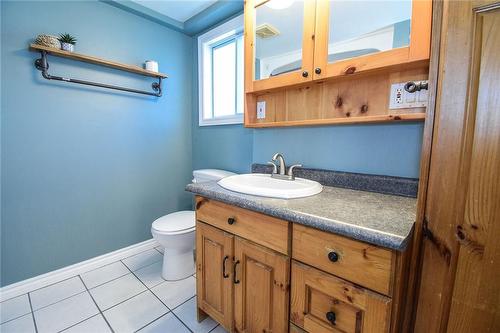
(67, 42)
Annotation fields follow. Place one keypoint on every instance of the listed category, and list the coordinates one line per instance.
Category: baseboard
(40, 281)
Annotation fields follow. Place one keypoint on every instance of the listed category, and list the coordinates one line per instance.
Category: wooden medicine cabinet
(317, 62)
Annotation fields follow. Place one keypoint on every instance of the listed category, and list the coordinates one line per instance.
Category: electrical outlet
(401, 99)
(261, 110)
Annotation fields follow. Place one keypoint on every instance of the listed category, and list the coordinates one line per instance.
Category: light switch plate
(401, 99)
(261, 110)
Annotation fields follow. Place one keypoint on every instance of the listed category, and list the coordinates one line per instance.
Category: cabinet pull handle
(331, 317)
(333, 256)
(305, 73)
(224, 275)
(235, 281)
(231, 220)
(317, 70)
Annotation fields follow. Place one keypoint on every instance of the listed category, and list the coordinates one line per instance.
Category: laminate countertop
(379, 219)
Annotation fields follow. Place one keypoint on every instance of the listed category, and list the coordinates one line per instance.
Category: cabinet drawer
(364, 264)
(321, 302)
(265, 230)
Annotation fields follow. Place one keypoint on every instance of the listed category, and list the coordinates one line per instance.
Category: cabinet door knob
(224, 275)
(331, 317)
(350, 70)
(317, 70)
(231, 220)
(305, 74)
(333, 256)
(235, 280)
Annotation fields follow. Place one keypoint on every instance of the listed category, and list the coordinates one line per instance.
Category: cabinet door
(321, 302)
(261, 289)
(214, 254)
(279, 43)
(354, 36)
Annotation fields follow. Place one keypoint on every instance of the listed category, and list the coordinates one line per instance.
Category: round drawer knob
(331, 317)
(317, 70)
(231, 220)
(305, 74)
(333, 256)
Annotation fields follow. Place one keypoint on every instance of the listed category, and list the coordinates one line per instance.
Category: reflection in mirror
(362, 27)
(278, 37)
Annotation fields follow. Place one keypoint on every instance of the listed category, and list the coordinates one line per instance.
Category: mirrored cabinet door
(359, 35)
(279, 42)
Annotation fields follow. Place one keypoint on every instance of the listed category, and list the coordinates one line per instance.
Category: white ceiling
(180, 10)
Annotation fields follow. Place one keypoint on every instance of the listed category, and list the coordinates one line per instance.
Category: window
(220, 74)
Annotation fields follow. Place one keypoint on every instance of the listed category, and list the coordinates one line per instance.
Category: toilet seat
(175, 223)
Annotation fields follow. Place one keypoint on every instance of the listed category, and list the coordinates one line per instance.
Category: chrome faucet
(283, 174)
(281, 159)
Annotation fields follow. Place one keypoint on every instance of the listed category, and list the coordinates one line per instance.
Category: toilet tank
(207, 175)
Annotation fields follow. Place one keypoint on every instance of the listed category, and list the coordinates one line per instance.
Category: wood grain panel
(353, 99)
(460, 180)
(356, 309)
(361, 263)
(262, 229)
(262, 294)
(215, 292)
(96, 61)
(475, 303)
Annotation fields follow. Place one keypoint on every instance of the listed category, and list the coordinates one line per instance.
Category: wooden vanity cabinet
(286, 279)
(322, 302)
(261, 289)
(214, 264)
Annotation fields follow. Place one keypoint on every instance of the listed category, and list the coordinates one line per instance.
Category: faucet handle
(275, 167)
(290, 170)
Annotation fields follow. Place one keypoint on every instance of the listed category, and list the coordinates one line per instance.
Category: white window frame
(225, 31)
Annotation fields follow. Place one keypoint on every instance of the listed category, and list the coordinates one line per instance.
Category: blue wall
(390, 149)
(382, 149)
(84, 170)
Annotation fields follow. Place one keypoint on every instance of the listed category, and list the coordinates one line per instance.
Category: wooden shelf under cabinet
(361, 98)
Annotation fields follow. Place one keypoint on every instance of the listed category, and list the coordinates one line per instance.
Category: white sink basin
(266, 186)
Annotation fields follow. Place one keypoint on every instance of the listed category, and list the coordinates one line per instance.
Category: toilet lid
(174, 222)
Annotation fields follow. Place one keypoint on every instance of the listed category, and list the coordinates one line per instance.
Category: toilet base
(177, 265)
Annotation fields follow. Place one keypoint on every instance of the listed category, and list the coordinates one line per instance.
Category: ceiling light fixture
(279, 4)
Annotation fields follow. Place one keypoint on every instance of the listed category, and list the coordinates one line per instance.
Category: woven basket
(48, 40)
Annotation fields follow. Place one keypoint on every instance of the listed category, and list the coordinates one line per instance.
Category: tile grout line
(97, 306)
(51, 284)
(32, 313)
(81, 321)
(24, 314)
(63, 299)
(171, 310)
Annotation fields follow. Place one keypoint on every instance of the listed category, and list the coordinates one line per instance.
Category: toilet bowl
(175, 233)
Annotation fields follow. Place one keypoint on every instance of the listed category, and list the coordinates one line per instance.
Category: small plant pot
(67, 47)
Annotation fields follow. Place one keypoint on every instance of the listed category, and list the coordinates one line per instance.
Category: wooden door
(261, 289)
(214, 255)
(321, 302)
(460, 280)
(280, 51)
(346, 44)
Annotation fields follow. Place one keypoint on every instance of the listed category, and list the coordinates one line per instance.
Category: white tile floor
(125, 296)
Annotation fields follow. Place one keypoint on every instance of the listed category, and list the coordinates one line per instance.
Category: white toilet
(175, 232)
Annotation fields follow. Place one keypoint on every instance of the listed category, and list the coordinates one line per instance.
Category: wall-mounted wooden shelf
(96, 61)
(420, 116)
